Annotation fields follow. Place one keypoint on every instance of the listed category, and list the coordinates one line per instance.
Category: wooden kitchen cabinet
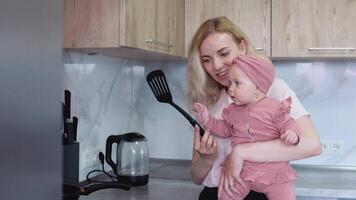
(252, 16)
(313, 28)
(128, 28)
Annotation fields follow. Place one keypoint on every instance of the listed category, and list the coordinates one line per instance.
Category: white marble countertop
(312, 181)
(326, 181)
(170, 179)
(156, 189)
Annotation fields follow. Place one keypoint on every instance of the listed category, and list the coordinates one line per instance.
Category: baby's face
(241, 90)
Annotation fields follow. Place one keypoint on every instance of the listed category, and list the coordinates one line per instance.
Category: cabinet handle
(158, 42)
(259, 49)
(331, 49)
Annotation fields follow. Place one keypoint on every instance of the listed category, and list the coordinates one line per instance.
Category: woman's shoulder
(279, 83)
(279, 90)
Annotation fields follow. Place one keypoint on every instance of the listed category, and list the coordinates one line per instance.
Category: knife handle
(66, 111)
(75, 128)
(70, 136)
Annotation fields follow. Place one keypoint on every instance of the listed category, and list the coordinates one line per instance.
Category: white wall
(111, 96)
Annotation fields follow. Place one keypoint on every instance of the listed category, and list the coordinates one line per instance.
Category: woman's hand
(230, 180)
(290, 137)
(204, 154)
(205, 146)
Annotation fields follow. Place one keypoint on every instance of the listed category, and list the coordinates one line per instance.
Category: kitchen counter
(326, 181)
(156, 189)
(170, 179)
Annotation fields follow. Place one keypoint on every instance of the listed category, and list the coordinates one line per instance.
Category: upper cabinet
(163, 29)
(128, 28)
(252, 16)
(313, 28)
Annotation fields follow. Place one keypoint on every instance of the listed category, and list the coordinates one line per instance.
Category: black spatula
(158, 84)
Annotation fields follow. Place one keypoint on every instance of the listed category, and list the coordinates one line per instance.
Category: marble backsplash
(110, 96)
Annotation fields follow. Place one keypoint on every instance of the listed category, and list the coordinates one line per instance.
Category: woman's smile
(223, 74)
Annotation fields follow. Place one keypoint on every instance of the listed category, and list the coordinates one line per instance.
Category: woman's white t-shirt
(280, 91)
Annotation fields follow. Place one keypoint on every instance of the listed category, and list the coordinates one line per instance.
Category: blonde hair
(201, 87)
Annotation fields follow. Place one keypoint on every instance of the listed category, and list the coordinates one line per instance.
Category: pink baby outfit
(264, 120)
(279, 90)
(260, 71)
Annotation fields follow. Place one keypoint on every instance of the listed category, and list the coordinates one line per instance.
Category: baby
(253, 117)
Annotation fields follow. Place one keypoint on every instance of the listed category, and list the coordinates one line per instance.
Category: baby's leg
(242, 193)
(282, 191)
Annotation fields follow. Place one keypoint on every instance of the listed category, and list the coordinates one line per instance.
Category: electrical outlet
(333, 147)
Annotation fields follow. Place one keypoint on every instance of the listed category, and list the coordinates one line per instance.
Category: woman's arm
(204, 154)
(200, 168)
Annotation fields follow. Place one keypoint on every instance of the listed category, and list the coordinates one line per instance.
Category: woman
(214, 46)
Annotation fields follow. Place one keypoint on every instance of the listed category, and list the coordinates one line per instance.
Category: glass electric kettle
(132, 156)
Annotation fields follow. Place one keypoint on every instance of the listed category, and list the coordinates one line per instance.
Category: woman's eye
(225, 53)
(236, 82)
(204, 60)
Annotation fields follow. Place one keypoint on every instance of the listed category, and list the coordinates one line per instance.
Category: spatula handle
(201, 130)
(192, 121)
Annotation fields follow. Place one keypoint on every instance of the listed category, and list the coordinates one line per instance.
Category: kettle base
(133, 180)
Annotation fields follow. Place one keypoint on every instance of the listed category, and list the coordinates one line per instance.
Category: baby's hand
(290, 137)
(201, 112)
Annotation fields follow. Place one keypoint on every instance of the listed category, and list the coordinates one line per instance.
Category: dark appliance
(73, 192)
(131, 166)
